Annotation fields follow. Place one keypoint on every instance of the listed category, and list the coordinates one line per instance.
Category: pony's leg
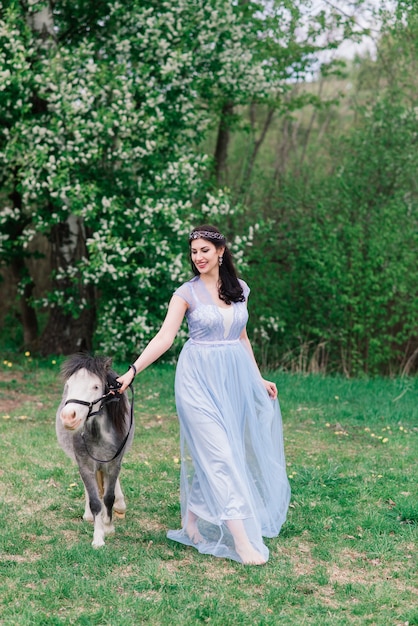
(110, 480)
(87, 515)
(119, 508)
(95, 506)
(100, 483)
(99, 531)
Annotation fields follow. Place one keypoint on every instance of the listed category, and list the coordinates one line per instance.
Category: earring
(220, 260)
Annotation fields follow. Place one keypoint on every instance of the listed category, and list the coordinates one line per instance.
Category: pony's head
(87, 379)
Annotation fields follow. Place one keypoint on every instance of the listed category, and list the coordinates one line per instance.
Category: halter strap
(105, 399)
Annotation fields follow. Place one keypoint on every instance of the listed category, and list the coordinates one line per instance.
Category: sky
(364, 17)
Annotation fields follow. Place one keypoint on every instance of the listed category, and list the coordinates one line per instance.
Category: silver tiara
(206, 234)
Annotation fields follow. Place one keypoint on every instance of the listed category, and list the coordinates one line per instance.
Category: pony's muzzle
(70, 419)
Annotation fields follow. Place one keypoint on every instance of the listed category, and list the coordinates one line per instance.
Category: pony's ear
(107, 363)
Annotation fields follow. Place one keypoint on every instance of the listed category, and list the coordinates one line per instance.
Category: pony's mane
(99, 366)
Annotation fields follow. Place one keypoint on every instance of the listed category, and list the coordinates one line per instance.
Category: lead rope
(122, 445)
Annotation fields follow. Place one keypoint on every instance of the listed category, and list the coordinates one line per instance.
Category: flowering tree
(101, 115)
(102, 110)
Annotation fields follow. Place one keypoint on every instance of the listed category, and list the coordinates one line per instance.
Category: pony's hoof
(109, 530)
(88, 517)
(98, 543)
(119, 514)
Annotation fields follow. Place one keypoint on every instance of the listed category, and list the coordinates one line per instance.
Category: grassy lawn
(346, 555)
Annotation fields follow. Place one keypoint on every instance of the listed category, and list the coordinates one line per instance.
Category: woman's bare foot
(247, 553)
(194, 534)
(192, 529)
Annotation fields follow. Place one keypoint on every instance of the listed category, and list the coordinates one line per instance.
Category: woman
(233, 485)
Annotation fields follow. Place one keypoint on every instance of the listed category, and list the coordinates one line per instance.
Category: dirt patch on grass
(349, 567)
(345, 576)
(151, 525)
(71, 537)
(175, 565)
(15, 401)
(356, 568)
(215, 569)
(9, 376)
(20, 558)
(300, 557)
(12, 398)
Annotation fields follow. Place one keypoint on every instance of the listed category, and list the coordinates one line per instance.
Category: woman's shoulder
(245, 288)
(185, 289)
(188, 284)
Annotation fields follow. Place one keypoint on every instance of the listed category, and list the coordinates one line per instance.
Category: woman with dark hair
(233, 484)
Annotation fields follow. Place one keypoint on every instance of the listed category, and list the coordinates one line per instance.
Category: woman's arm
(270, 386)
(162, 341)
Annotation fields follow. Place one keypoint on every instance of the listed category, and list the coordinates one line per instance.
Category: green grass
(346, 555)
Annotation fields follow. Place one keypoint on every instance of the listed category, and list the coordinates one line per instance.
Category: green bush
(338, 266)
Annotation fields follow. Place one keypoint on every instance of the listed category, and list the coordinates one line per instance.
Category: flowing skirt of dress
(232, 455)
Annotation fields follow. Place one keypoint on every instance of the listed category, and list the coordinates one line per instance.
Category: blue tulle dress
(232, 456)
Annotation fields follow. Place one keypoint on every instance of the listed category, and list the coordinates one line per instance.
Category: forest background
(123, 125)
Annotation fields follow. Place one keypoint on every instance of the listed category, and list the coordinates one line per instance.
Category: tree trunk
(258, 142)
(221, 150)
(222, 141)
(22, 279)
(27, 312)
(64, 333)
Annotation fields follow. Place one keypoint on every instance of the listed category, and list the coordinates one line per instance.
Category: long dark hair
(230, 289)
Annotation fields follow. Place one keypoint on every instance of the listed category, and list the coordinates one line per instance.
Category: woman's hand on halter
(271, 389)
(126, 380)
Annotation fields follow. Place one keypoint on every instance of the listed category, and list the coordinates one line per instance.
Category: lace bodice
(205, 319)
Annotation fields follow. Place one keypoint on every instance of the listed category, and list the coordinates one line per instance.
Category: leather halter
(105, 399)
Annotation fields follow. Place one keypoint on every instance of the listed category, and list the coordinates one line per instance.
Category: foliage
(343, 290)
(107, 117)
(337, 240)
(101, 123)
(102, 111)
